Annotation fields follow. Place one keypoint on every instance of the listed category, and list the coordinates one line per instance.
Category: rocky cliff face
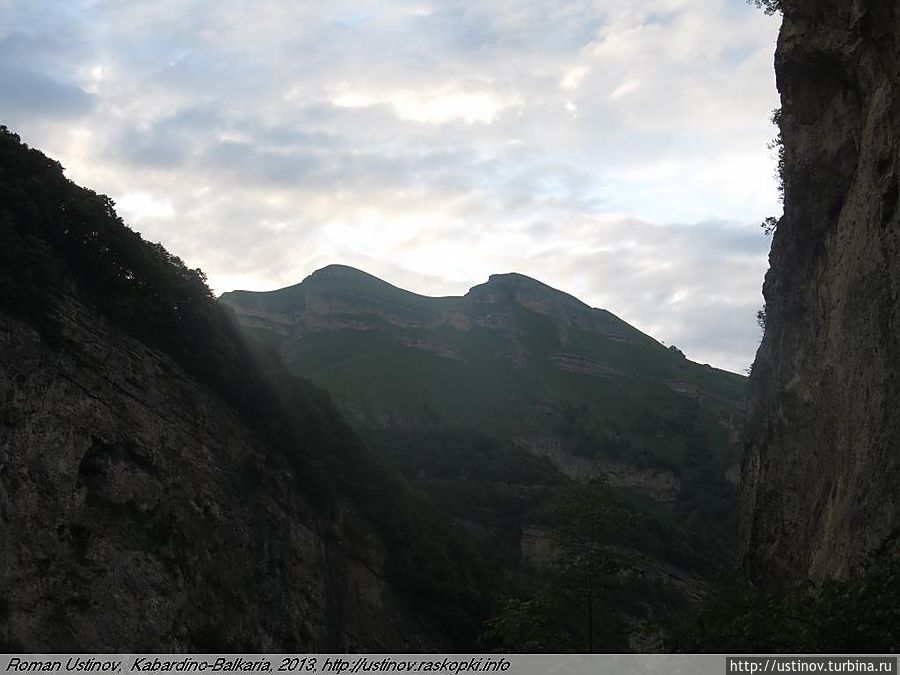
(822, 466)
(138, 513)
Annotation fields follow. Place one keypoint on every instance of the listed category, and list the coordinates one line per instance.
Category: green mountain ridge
(512, 358)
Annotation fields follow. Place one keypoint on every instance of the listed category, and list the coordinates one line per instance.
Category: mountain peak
(514, 278)
(511, 282)
(334, 271)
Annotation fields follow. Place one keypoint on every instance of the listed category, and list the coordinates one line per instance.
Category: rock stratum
(822, 465)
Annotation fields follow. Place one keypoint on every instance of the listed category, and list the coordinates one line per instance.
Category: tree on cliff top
(768, 6)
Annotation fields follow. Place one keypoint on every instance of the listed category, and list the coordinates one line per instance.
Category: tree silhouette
(585, 566)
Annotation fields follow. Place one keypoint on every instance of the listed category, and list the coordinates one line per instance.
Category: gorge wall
(139, 513)
(822, 465)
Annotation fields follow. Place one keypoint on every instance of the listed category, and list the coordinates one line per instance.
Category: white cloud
(138, 206)
(437, 105)
(572, 79)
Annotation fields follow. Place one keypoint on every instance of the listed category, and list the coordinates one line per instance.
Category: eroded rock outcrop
(822, 467)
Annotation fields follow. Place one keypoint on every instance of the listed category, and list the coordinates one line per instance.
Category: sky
(615, 149)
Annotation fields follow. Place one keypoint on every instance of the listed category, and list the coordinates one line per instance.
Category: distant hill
(513, 358)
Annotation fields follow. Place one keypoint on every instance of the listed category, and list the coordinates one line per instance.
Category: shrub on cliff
(768, 6)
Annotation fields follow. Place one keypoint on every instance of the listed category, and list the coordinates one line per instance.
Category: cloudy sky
(615, 149)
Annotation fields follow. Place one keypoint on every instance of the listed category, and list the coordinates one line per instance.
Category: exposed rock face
(822, 468)
(661, 484)
(138, 513)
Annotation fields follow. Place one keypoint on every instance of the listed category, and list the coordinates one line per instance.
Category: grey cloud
(247, 162)
(148, 150)
(40, 50)
(27, 92)
(478, 26)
